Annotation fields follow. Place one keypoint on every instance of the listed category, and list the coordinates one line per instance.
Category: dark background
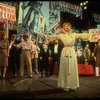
(87, 21)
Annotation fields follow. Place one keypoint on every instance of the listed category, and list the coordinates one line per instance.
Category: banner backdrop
(95, 33)
(7, 12)
(32, 18)
(43, 16)
(7, 17)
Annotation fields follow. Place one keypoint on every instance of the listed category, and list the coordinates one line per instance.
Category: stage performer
(68, 72)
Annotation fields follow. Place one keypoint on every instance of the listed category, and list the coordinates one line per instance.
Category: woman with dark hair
(4, 53)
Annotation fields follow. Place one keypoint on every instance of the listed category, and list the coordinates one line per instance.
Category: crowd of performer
(28, 55)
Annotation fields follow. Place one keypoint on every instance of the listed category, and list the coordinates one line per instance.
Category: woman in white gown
(68, 72)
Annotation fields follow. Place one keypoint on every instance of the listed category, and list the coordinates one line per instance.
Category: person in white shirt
(25, 57)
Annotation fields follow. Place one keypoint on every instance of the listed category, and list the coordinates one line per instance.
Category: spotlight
(86, 1)
(85, 7)
(77, 15)
(81, 4)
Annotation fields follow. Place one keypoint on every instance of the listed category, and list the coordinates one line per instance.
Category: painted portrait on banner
(95, 35)
(54, 16)
(7, 17)
(41, 16)
(98, 26)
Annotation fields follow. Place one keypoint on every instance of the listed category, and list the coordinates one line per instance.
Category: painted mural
(42, 16)
(29, 13)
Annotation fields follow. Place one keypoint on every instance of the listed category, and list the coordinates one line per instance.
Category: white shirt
(27, 45)
(45, 48)
(56, 48)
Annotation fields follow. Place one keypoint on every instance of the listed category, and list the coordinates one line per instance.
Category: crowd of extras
(28, 57)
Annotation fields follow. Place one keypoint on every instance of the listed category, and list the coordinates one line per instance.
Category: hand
(32, 55)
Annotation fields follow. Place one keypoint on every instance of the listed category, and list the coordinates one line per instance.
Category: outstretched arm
(50, 37)
(85, 36)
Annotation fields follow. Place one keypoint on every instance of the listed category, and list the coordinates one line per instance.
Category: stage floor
(46, 87)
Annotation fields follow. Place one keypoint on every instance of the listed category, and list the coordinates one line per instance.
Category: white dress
(68, 71)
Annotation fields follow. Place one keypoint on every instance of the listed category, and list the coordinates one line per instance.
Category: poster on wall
(7, 16)
(98, 26)
(29, 15)
(32, 12)
(7, 12)
(95, 35)
(54, 16)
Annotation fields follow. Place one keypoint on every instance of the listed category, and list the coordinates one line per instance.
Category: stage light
(86, 1)
(85, 7)
(77, 15)
(81, 4)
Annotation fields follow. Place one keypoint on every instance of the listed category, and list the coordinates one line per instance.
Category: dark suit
(55, 56)
(14, 60)
(44, 61)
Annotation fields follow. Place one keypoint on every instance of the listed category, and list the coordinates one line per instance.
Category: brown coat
(97, 55)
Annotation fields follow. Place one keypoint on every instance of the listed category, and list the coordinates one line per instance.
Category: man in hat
(27, 51)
